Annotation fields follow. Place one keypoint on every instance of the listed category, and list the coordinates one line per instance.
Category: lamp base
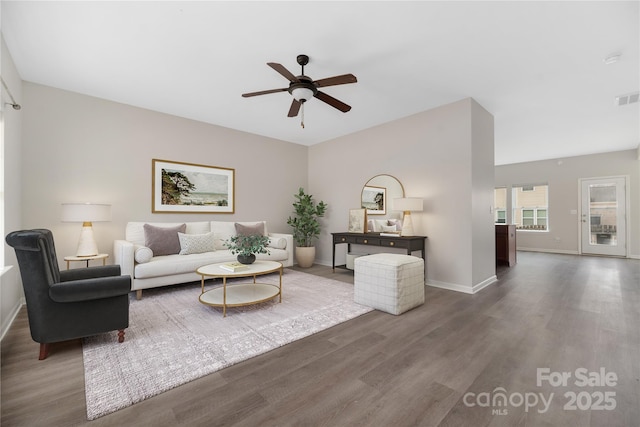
(87, 245)
(407, 225)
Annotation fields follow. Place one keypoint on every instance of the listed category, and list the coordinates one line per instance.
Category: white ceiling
(536, 66)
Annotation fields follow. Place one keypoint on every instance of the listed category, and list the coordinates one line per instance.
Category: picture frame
(374, 200)
(179, 187)
(357, 221)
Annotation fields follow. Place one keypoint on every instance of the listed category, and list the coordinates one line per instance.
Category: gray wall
(11, 296)
(431, 154)
(563, 176)
(78, 148)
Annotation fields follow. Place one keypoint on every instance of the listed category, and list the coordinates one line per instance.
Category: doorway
(603, 216)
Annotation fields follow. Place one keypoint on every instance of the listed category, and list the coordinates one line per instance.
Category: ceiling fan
(303, 88)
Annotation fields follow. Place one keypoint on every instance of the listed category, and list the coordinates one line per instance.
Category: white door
(603, 216)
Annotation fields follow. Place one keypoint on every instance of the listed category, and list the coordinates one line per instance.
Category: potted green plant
(306, 226)
(247, 246)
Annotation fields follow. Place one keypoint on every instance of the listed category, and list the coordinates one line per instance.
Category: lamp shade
(85, 212)
(302, 94)
(407, 204)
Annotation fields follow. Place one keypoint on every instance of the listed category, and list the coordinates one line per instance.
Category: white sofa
(151, 271)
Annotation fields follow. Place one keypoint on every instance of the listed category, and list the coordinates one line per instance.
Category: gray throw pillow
(163, 240)
(250, 230)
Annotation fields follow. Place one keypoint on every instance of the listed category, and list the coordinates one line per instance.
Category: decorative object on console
(374, 200)
(246, 246)
(407, 205)
(86, 213)
(386, 188)
(190, 188)
(357, 221)
(306, 226)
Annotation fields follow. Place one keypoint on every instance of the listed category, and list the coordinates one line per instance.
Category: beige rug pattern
(173, 339)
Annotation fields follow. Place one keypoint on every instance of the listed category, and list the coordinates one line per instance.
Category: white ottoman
(393, 283)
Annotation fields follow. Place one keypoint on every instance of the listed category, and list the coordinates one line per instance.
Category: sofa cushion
(249, 229)
(163, 240)
(142, 254)
(196, 243)
(134, 231)
(277, 242)
(224, 230)
(168, 265)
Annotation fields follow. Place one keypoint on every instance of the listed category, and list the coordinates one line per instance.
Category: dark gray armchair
(64, 305)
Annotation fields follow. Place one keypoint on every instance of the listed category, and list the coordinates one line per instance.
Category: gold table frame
(242, 294)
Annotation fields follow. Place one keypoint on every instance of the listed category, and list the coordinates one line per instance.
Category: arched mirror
(377, 198)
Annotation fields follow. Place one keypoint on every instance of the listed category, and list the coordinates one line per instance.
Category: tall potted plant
(306, 226)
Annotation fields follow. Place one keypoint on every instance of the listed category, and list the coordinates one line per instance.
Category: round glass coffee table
(242, 294)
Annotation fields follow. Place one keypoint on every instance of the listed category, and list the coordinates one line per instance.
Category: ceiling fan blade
(263, 92)
(332, 101)
(337, 80)
(286, 73)
(295, 107)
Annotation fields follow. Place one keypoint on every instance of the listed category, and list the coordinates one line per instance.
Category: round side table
(73, 258)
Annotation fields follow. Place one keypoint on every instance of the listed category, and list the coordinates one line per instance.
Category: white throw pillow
(196, 243)
(142, 254)
(397, 223)
(277, 242)
(377, 225)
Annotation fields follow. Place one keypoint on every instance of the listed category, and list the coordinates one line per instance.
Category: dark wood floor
(559, 312)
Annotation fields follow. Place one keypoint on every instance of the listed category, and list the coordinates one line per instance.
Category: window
(500, 203)
(530, 207)
(1, 187)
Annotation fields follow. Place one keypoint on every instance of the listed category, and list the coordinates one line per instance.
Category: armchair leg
(120, 335)
(139, 294)
(44, 351)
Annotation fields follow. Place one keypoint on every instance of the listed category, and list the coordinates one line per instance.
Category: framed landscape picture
(189, 188)
(374, 200)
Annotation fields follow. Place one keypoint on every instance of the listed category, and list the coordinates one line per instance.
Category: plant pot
(305, 256)
(246, 259)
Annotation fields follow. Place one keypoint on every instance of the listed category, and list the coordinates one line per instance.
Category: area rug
(173, 339)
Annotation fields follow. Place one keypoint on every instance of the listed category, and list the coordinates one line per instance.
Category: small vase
(246, 259)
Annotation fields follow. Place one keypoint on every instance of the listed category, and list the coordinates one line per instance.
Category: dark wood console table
(412, 243)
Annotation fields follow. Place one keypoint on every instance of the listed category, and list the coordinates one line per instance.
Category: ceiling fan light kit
(302, 88)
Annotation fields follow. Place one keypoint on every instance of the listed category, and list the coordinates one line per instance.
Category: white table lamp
(86, 213)
(407, 205)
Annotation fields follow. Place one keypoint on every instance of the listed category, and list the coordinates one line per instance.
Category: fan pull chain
(302, 116)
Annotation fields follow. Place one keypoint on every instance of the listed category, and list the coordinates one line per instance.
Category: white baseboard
(550, 251)
(14, 312)
(462, 288)
(565, 252)
(480, 286)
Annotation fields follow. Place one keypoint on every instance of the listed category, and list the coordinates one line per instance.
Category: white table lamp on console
(86, 213)
(407, 205)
